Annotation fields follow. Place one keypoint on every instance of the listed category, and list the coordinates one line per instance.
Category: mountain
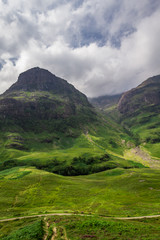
(145, 96)
(105, 102)
(39, 96)
(47, 123)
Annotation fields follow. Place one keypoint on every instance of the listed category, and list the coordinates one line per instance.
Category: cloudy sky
(100, 46)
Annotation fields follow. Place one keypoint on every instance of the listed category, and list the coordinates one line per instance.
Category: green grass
(154, 149)
(81, 227)
(33, 96)
(117, 192)
(31, 231)
(97, 228)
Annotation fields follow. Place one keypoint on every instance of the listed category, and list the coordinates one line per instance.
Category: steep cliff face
(145, 95)
(39, 96)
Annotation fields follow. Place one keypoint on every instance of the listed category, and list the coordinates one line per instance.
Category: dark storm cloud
(102, 47)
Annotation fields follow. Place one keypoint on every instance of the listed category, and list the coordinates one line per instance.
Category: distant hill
(104, 102)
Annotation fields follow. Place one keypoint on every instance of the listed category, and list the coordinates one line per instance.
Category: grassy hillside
(93, 148)
(142, 127)
(147, 128)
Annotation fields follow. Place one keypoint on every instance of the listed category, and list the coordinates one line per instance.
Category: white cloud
(76, 41)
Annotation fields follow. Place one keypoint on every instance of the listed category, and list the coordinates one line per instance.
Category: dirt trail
(72, 214)
(46, 230)
(140, 217)
(54, 233)
(65, 234)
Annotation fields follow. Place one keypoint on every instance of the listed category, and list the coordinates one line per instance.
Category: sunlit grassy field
(118, 192)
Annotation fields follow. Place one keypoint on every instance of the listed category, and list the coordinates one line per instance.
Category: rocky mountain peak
(38, 79)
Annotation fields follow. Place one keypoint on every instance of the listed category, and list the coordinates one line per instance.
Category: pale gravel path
(72, 214)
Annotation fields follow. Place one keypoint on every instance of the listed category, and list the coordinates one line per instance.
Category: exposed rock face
(39, 95)
(146, 94)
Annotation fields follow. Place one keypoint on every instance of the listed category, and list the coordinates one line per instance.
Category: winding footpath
(72, 214)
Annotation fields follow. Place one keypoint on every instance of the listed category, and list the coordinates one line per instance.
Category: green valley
(59, 154)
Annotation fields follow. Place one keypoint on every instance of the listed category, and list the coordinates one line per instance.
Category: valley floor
(116, 193)
(113, 204)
